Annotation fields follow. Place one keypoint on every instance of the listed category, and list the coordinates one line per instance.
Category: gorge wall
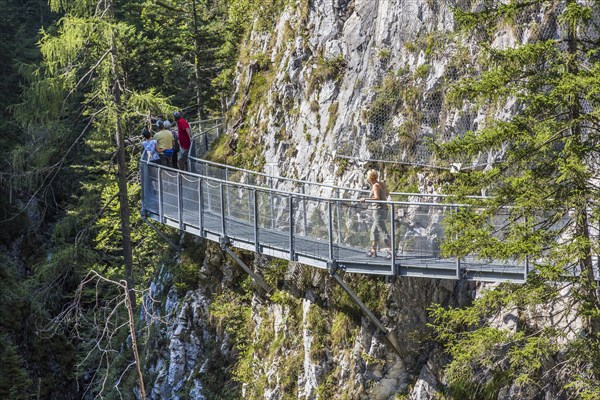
(309, 94)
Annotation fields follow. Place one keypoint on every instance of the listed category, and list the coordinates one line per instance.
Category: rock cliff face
(345, 77)
(305, 341)
(308, 92)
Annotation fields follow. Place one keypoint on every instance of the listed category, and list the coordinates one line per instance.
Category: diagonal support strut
(257, 278)
(161, 234)
(388, 335)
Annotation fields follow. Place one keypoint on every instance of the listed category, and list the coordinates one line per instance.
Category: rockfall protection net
(410, 109)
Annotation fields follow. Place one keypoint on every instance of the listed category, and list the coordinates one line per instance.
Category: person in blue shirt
(149, 145)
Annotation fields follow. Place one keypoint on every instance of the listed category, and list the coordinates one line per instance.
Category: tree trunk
(582, 225)
(134, 346)
(197, 47)
(122, 174)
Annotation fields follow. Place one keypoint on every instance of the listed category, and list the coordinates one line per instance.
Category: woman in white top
(380, 214)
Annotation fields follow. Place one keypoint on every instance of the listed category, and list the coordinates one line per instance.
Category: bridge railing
(204, 133)
(318, 231)
(235, 174)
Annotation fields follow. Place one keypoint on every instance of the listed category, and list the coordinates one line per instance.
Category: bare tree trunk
(122, 175)
(134, 347)
(197, 47)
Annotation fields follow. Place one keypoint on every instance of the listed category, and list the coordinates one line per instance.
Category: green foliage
(256, 338)
(242, 151)
(343, 330)
(543, 207)
(318, 324)
(388, 98)
(275, 271)
(326, 70)
(494, 356)
(422, 71)
(14, 383)
(333, 115)
(372, 291)
(384, 54)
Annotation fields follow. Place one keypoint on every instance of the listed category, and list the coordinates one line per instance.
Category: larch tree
(541, 99)
(82, 73)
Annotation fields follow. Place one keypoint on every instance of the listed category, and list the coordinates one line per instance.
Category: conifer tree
(83, 64)
(545, 184)
(82, 76)
(186, 38)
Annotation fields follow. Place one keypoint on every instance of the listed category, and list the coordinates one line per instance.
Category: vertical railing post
(291, 215)
(256, 216)
(221, 186)
(189, 161)
(145, 186)
(393, 228)
(227, 191)
(180, 200)
(458, 266)
(200, 209)
(304, 211)
(208, 191)
(249, 205)
(330, 226)
(272, 202)
(338, 209)
(160, 195)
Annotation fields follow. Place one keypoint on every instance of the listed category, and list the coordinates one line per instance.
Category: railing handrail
(323, 185)
(205, 120)
(300, 195)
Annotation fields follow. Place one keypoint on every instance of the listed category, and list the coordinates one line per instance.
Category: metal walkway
(320, 225)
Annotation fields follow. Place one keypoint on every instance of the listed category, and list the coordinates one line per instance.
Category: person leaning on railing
(164, 143)
(380, 214)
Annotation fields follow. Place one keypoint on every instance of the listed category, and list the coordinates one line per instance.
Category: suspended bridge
(320, 225)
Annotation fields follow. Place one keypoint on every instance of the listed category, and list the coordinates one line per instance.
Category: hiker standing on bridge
(149, 145)
(185, 140)
(380, 214)
(164, 143)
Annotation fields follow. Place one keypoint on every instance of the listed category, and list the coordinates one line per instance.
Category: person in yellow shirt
(164, 143)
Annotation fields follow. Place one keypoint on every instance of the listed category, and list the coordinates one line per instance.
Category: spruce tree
(544, 183)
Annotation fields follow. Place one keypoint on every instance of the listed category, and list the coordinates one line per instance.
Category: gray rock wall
(321, 115)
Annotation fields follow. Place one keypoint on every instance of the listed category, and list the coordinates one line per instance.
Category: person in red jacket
(184, 134)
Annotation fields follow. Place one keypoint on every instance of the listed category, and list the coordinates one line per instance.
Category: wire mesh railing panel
(419, 231)
(239, 209)
(211, 197)
(273, 224)
(170, 196)
(240, 203)
(190, 193)
(150, 173)
(317, 219)
(280, 204)
(265, 209)
(352, 223)
(204, 134)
